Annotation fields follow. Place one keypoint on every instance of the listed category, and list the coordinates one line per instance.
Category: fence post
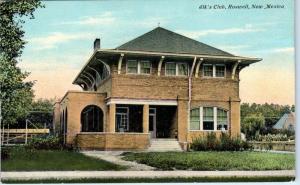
(26, 132)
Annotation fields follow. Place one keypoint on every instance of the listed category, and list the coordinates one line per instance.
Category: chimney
(96, 44)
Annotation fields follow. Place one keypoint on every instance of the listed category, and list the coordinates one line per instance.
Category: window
(214, 70)
(222, 120)
(145, 67)
(195, 119)
(91, 119)
(122, 119)
(132, 66)
(182, 69)
(208, 70)
(220, 71)
(208, 118)
(170, 69)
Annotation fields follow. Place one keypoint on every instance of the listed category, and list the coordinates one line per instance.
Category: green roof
(163, 40)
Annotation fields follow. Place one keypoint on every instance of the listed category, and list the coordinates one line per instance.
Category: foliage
(4, 153)
(47, 143)
(252, 125)
(43, 105)
(271, 113)
(274, 137)
(16, 95)
(22, 159)
(224, 143)
(211, 160)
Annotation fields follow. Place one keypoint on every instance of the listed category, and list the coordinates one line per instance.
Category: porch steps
(163, 145)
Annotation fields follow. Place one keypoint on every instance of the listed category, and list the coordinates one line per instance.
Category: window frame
(127, 115)
(214, 71)
(166, 68)
(140, 66)
(137, 66)
(214, 120)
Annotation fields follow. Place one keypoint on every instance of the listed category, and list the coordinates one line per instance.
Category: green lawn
(45, 160)
(214, 160)
(155, 180)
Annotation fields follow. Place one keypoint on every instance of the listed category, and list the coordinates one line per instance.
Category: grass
(214, 160)
(45, 160)
(155, 180)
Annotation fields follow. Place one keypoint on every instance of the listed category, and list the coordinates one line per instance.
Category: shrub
(4, 153)
(224, 143)
(50, 142)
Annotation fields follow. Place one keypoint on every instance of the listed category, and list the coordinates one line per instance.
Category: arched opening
(92, 119)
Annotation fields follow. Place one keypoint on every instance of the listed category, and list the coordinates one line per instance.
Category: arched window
(92, 119)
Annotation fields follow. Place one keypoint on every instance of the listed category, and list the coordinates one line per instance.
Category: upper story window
(170, 68)
(214, 70)
(132, 66)
(176, 69)
(145, 67)
(138, 67)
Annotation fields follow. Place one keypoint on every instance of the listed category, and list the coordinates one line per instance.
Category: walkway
(115, 157)
(140, 174)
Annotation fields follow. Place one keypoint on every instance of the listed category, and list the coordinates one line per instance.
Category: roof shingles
(163, 40)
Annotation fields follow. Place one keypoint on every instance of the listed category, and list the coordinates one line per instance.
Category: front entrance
(163, 121)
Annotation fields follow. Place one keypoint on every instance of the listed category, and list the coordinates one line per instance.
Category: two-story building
(158, 85)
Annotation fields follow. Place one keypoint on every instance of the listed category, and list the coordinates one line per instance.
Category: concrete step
(168, 144)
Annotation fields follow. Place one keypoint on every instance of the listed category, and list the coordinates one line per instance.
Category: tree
(16, 95)
(252, 125)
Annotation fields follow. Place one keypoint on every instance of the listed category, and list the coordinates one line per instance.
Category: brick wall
(113, 141)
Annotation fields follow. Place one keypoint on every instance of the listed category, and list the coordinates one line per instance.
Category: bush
(50, 142)
(224, 143)
(5, 153)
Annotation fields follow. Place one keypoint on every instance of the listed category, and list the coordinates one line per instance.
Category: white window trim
(139, 67)
(127, 67)
(166, 68)
(215, 120)
(214, 71)
(177, 68)
(127, 113)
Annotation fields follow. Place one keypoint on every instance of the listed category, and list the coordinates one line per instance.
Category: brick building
(160, 85)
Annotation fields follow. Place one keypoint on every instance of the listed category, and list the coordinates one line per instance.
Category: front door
(152, 122)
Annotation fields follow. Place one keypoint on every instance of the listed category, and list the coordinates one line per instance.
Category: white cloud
(196, 34)
(284, 50)
(104, 19)
(50, 41)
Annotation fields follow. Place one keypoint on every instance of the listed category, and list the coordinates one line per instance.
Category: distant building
(287, 121)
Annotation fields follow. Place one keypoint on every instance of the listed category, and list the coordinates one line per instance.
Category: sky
(60, 39)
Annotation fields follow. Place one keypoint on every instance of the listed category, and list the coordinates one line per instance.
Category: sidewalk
(140, 174)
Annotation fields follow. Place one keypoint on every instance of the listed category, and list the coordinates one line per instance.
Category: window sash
(208, 114)
(208, 70)
(145, 67)
(182, 69)
(220, 71)
(132, 66)
(171, 69)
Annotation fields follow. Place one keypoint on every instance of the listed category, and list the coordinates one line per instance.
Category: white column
(215, 118)
(201, 118)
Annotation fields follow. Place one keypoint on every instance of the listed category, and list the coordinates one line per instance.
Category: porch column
(234, 119)
(145, 118)
(112, 118)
